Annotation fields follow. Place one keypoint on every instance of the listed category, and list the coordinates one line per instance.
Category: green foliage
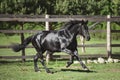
(58, 7)
(72, 7)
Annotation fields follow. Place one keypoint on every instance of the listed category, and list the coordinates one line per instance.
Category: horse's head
(84, 30)
(78, 27)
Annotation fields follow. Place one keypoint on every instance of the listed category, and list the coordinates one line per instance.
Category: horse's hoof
(37, 71)
(50, 72)
(67, 66)
(86, 69)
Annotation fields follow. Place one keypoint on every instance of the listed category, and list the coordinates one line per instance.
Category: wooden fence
(59, 18)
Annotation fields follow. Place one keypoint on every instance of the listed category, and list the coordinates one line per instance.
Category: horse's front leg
(71, 61)
(79, 59)
(71, 56)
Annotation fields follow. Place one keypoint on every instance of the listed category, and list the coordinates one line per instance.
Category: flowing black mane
(70, 23)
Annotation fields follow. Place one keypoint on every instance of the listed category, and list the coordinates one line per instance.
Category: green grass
(24, 71)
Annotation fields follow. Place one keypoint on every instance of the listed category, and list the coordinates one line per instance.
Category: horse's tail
(18, 47)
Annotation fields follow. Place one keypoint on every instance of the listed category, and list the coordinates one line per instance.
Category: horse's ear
(82, 21)
(86, 21)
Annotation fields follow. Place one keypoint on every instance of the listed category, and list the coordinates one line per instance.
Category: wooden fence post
(22, 40)
(82, 43)
(109, 49)
(47, 27)
(47, 23)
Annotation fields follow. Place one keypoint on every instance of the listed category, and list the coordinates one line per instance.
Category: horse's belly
(54, 49)
(53, 46)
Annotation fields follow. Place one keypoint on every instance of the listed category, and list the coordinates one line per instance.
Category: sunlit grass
(25, 71)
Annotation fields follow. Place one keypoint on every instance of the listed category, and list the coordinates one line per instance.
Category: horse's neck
(69, 35)
(71, 29)
(74, 30)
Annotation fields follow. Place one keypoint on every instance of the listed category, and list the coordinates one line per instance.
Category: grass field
(24, 71)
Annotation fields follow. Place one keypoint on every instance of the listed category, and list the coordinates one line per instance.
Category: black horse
(63, 40)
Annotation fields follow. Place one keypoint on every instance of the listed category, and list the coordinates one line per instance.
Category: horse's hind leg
(43, 63)
(47, 70)
(35, 62)
(78, 58)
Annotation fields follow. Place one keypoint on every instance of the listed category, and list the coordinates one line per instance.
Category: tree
(58, 7)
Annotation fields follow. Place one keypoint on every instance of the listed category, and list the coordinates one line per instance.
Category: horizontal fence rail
(35, 31)
(88, 45)
(55, 18)
(88, 56)
(55, 56)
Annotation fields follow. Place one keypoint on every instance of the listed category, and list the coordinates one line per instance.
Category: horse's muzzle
(88, 38)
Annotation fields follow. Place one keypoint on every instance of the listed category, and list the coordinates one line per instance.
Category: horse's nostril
(88, 38)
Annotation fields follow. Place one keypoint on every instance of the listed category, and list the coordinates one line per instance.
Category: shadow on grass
(18, 61)
(51, 69)
(74, 70)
